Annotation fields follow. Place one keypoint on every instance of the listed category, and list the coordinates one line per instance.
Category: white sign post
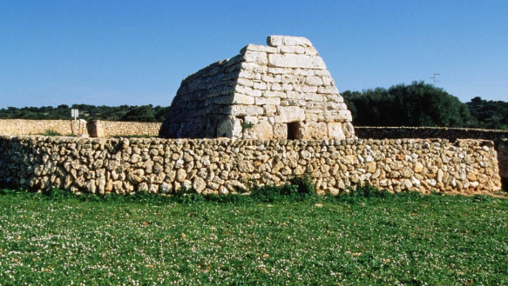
(75, 114)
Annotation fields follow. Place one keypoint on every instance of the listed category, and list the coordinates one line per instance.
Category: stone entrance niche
(294, 131)
(279, 91)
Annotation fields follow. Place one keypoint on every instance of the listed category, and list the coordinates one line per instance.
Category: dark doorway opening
(294, 131)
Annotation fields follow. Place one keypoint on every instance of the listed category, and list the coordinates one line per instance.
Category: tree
(488, 113)
(417, 104)
(143, 113)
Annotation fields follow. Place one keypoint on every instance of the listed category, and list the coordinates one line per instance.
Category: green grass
(276, 236)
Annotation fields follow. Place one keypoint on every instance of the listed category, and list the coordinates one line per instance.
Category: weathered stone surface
(220, 165)
(335, 131)
(276, 41)
(313, 130)
(290, 114)
(283, 83)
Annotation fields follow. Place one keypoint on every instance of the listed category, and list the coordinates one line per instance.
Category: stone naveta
(279, 91)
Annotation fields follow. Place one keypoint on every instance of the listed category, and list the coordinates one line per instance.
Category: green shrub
(50, 132)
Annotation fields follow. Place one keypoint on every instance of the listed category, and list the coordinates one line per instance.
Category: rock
(165, 188)
(199, 185)
(181, 175)
(418, 167)
(440, 175)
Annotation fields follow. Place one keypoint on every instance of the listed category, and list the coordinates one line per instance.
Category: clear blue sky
(137, 52)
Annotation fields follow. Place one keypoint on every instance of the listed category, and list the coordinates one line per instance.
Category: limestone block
(258, 48)
(277, 71)
(276, 86)
(260, 58)
(276, 41)
(335, 131)
(287, 87)
(328, 89)
(245, 81)
(242, 99)
(272, 100)
(345, 115)
(270, 109)
(314, 130)
(260, 100)
(303, 72)
(240, 89)
(251, 119)
(254, 68)
(295, 61)
(243, 110)
(290, 114)
(231, 127)
(318, 63)
(280, 131)
(322, 73)
(311, 51)
(261, 131)
(314, 97)
(269, 78)
(291, 49)
(295, 95)
(278, 94)
(348, 129)
(259, 85)
(309, 89)
(199, 184)
(246, 74)
(314, 80)
(327, 81)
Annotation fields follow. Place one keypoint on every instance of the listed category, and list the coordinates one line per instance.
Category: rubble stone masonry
(224, 166)
(33, 127)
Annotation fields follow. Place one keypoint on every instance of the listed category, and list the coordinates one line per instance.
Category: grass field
(369, 238)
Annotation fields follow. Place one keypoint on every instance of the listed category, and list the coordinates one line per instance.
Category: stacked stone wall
(33, 127)
(105, 129)
(101, 129)
(267, 92)
(224, 166)
(499, 137)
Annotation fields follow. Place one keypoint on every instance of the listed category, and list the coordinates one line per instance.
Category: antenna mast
(434, 78)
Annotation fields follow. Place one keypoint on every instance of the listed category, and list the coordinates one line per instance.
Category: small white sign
(74, 113)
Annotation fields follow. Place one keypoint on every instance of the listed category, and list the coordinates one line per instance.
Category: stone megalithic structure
(279, 91)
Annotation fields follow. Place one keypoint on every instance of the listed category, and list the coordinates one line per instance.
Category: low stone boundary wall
(225, 166)
(99, 128)
(104, 129)
(498, 136)
(430, 132)
(33, 127)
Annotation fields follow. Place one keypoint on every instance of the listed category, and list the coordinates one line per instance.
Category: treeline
(421, 104)
(143, 113)
(417, 104)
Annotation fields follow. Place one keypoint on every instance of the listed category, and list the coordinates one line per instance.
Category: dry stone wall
(499, 138)
(101, 129)
(105, 129)
(224, 166)
(32, 127)
(279, 91)
(381, 132)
